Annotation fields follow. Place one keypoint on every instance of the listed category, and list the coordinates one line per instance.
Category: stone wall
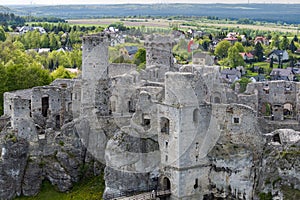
(116, 69)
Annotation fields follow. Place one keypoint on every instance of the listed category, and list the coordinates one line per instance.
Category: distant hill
(288, 13)
(4, 9)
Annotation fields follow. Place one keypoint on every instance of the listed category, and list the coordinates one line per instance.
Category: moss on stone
(265, 196)
(89, 189)
(290, 193)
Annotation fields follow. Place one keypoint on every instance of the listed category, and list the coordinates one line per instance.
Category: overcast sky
(56, 2)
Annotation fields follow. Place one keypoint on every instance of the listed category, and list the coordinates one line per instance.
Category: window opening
(165, 125)
(45, 106)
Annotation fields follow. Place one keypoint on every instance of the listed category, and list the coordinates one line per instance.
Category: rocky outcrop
(280, 174)
(235, 166)
(59, 157)
(14, 154)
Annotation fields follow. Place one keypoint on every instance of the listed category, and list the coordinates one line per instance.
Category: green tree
(284, 43)
(19, 70)
(234, 58)
(3, 87)
(222, 49)
(275, 42)
(239, 46)
(2, 34)
(61, 72)
(44, 41)
(35, 39)
(259, 51)
(53, 43)
(140, 57)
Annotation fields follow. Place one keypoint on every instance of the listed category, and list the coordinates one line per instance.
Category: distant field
(258, 27)
(163, 23)
(150, 23)
(275, 13)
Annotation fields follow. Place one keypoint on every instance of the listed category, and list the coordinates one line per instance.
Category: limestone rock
(281, 164)
(14, 153)
(33, 177)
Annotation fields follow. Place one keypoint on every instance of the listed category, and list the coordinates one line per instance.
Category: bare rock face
(33, 177)
(14, 153)
(235, 167)
(280, 174)
(60, 158)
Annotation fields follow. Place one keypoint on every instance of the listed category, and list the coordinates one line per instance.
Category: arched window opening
(217, 100)
(164, 125)
(166, 184)
(113, 106)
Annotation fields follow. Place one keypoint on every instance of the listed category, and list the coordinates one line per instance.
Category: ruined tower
(159, 50)
(95, 81)
(184, 120)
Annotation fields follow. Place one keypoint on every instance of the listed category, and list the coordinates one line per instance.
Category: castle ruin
(168, 127)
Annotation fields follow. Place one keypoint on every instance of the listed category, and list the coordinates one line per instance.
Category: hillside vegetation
(289, 13)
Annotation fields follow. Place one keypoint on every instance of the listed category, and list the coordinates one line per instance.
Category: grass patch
(87, 189)
(290, 193)
(265, 196)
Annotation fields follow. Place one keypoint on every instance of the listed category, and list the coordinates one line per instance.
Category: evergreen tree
(271, 62)
(259, 51)
(292, 47)
(284, 43)
(295, 39)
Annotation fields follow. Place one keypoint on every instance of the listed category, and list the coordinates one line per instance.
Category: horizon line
(35, 4)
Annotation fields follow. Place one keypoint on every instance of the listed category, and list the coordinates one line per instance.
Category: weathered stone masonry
(169, 127)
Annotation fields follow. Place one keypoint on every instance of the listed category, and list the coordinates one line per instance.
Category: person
(153, 194)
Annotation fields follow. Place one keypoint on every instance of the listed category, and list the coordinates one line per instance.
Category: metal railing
(145, 195)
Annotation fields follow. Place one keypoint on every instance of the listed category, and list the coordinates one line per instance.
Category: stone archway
(166, 184)
(288, 109)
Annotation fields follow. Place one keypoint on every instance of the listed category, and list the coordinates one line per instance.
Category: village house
(262, 40)
(279, 55)
(232, 40)
(200, 58)
(25, 29)
(232, 34)
(247, 56)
